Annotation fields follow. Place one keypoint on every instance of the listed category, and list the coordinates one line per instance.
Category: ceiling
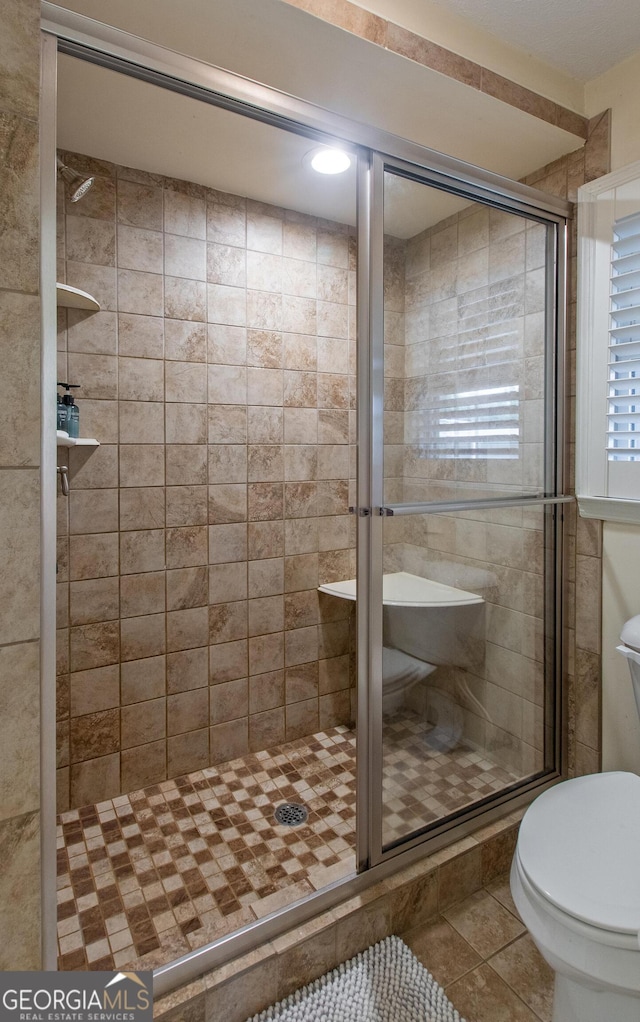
(583, 38)
(116, 118)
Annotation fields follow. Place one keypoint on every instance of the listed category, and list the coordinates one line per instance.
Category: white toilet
(575, 879)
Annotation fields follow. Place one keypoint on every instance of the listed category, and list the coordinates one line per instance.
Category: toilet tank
(630, 648)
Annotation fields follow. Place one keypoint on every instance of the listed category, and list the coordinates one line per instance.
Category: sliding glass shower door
(465, 495)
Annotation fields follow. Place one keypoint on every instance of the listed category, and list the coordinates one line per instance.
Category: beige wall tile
(142, 551)
(142, 594)
(265, 425)
(142, 508)
(95, 780)
(186, 424)
(227, 582)
(143, 722)
(93, 556)
(139, 205)
(187, 547)
(19, 571)
(229, 740)
(20, 890)
(229, 700)
(139, 249)
(20, 320)
(226, 224)
(19, 245)
(227, 661)
(143, 636)
(265, 501)
(96, 599)
(187, 711)
(187, 629)
(91, 469)
(227, 424)
(141, 422)
(227, 345)
(184, 214)
(265, 539)
(144, 765)
(187, 752)
(266, 729)
(185, 299)
(266, 577)
(140, 336)
(96, 734)
(187, 587)
(185, 341)
(266, 691)
(140, 379)
(142, 679)
(186, 505)
(227, 543)
(302, 719)
(95, 690)
(187, 669)
(93, 511)
(19, 776)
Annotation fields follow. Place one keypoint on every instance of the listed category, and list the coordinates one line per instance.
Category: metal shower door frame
(372, 508)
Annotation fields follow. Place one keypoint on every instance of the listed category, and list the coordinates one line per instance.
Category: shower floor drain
(290, 814)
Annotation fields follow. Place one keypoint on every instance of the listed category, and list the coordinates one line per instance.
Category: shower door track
(77, 36)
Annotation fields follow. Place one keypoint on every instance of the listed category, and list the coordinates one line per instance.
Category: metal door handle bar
(443, 507)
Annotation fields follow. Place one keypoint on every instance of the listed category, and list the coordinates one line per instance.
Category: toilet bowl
(576, 883)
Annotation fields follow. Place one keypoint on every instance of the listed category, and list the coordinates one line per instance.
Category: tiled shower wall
(219, 379)
(20, 925)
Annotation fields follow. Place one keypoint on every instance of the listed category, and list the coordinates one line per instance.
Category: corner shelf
(64, 440)
(73, 298)
(402, 589)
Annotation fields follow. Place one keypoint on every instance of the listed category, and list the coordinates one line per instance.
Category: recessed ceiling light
(330, 161)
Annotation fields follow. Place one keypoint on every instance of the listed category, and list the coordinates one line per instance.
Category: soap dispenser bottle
(61, 416)
(72, 410)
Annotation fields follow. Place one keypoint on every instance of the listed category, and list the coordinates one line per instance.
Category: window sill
(610, 509)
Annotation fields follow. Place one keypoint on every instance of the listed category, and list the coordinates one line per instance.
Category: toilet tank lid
(578, 845)
(630, 633)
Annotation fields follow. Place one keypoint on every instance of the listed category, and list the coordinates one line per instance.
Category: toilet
(575, 880)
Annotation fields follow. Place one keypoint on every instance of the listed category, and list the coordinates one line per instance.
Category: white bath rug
(385, 983)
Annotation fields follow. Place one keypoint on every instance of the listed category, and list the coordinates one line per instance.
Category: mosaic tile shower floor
(149, 876)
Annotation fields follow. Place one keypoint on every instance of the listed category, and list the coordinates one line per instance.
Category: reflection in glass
(464, 348)
(463, 696)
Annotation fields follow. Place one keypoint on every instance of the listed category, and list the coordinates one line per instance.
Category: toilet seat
(578, 847)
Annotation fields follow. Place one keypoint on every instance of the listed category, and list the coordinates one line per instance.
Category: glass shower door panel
(464, 332)
(467, 617)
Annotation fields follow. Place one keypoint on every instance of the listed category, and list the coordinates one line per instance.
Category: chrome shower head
(78, 185)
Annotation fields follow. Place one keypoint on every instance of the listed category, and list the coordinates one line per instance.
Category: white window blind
(608, 347)
(623, 397)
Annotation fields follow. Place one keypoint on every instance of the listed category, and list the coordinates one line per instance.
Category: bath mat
(385, 983)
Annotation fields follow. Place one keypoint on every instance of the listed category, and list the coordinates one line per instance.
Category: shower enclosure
(328, 493)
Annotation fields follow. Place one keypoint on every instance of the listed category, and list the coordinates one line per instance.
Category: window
(608, 343)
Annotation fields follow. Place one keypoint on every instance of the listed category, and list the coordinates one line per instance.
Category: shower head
(78, 185)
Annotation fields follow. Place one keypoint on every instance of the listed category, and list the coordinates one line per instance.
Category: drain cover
(291, 815)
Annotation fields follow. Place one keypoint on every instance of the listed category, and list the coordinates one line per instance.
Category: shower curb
(414, 895)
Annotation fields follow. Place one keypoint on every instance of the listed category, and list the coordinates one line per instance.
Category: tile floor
(423, 782)
(146, 877)
(481, 953)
